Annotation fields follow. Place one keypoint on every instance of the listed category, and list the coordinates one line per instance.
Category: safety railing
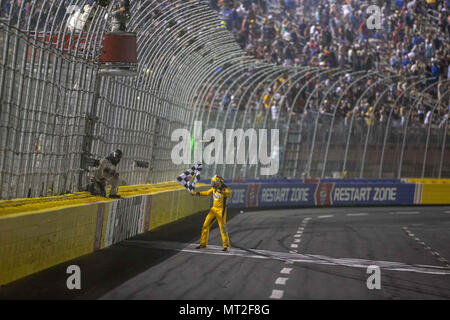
(58, 112)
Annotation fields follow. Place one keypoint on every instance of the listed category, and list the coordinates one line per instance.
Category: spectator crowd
(409, 51)
(408, 56)
(33, 12)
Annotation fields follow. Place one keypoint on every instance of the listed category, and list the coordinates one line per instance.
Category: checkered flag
(189, 178)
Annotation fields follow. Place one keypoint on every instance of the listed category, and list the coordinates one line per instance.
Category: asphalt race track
(310, 253)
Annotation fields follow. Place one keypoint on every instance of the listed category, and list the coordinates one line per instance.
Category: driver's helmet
(217, 182)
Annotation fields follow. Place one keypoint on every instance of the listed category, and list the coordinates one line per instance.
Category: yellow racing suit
(218, 211)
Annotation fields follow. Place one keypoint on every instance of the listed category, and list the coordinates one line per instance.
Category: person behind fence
(106, 173)
(80, 16)
(120, 16)
(218, 211)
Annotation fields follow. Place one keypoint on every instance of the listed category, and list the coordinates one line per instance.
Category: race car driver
(221, 193)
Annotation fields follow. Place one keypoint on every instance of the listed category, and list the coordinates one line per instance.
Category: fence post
(91, 120)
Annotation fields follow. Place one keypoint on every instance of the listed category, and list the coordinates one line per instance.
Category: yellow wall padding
(436, 194)
(33, 242)
(430, 181)
(39, 233)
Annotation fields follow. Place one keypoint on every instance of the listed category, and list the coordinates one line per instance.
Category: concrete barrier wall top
(36, 234)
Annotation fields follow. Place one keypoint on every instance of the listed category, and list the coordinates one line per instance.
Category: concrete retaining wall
(36, 240)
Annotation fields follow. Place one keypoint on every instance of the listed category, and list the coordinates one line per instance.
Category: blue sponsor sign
(282, 195)
(271, 195)
(297, 194)
(238, 196)
(372, 194)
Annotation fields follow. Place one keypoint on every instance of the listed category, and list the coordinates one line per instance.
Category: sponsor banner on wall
(279, 195)
(239, 196)
(253, 195)
(322, 196)
(373, 194)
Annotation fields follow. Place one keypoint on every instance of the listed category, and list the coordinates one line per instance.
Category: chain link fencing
(58, 112)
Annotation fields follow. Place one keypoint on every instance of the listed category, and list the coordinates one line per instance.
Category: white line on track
(357, 214)
(290, 258)
(286, 270)
(446, 211)
(281, 281)
(406, 212)
(277, 294)
(326, 216)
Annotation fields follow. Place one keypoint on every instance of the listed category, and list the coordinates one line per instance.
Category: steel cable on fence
(58, 110)
(42, 118)
(314, 73)
(268, 72)
(164, 73)
(159, 96)
(369, 127)
(390, 118)
(334, 72)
